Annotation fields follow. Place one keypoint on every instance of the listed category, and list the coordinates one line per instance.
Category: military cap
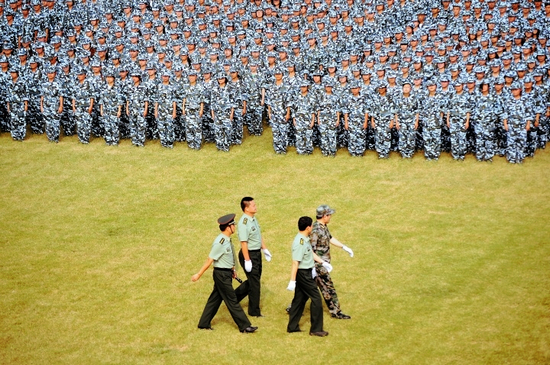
(221, 75)
(323, 210)
(22, 52)
(355, 85)
(382, 84)
(521, 67)
(304, 83)
(109, 72)
(499, 80)
(430, 82)
(135, 73)
(511, 74)
(50, 69)
(515, 85)
(471, 79)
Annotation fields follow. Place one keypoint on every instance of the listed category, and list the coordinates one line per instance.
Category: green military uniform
(305, 288)
(222, 253)
(249, 231)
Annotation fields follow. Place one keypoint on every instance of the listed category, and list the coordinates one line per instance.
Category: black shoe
(206, 328)
(340, 315)
(295, 331)
(249, 329)
(319, 334)
(259, 316)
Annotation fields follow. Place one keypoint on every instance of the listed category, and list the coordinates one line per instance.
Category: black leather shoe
(340, 315)
(319, 334)
(249, 329)
(295, 331)
(259, 316)
(206, 328)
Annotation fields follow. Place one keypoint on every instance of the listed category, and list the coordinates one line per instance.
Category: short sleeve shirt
(249, 231)
(302, 252)
(222, 252)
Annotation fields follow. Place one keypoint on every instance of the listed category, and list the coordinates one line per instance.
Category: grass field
(98, 245)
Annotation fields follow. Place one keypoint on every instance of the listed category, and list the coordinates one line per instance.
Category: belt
(305, 269)
(222, 269)
(258, 250)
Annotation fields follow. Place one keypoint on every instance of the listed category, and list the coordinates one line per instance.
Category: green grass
(98, 245)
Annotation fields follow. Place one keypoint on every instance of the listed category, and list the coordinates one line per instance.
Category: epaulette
(222, 241)
(301, 241)
(245, 221)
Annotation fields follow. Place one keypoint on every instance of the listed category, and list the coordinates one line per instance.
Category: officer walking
(250, 256)
(222, 256)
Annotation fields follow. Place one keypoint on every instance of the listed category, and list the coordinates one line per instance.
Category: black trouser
(252, 285)
(305, 289)
(223, 290)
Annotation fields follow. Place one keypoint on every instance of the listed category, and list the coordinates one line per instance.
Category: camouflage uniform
(51, 97)
(458, 108)
(137, 98)
(515, 113)
(82, 94)
(302, 107)
(328, 119)
(484, 127)
(406, 109)
(34, 116)
(16, 97)
(276, 99)
(354, 107)
(165, 109)
(431, 133)
(222, 106)
(239, 98)
(383, 112)
(254, 110)
(111, 100)
(193, 101)
(320, 243)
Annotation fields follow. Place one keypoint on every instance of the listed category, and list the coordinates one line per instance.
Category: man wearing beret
(222, 256)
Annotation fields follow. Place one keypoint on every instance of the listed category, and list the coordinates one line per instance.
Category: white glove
(313, 273)
(348, 250)
(291, 285)
(248, 266)
(327, 266)
(267, 254)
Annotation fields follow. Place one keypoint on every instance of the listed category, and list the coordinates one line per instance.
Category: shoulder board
(301, 241)
(222, 241)
(245, 221)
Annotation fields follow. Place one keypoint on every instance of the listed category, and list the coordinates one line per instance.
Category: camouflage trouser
(223, 129)
(383, 137)
(67, 119)
(357, 142)
(406, 137)
(179, 126)
(165, 125)
(328, 137)
(112, 133)
(419, 138)
(304, 142)
(315, 136)
(124, 125)
(53, 126)
(432, 141)
(471, 136)
(34, 118)
(237, 127)
(328, 292)
(97, 126)
(207, 126)
(18, 126)
(137, 126)
(485, 149)
(279, 127)
(152, 131)
(500, 138)
(4, 117)
(193, 129)
(291, 134)
(532, 140)
(445, 138)
(516, 138)
(83, 124)
(458, 136)
(342, 135)
(254, 114)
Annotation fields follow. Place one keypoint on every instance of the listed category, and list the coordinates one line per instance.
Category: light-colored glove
(267, 254)
(348, 250)
(291, 285)
(248, 266)
(327, 266)
(313, 273)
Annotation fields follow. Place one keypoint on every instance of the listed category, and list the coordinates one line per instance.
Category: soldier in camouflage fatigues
(382, 120)
(516, 125)
(406, 117)
(111, 108)
(51, 105)
(484, 125)
(278, 112)
(83, 100)
(304, 118)
(17, 105)
(321, 239)
(432, 115)
(223, 109)
(33, 79)
(254, 108)
(458, 120)
(328, 118)
(192, 111)
(165, 111)
(240, 99)
(355, 120)
(136, 108)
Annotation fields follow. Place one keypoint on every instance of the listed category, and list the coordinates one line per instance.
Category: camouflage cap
(323, 210)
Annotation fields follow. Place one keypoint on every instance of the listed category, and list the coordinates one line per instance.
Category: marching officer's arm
(335, 242)
(204, 267)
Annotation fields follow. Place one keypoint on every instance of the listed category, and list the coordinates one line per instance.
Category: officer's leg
(297, 306)
(316, 307)
(254, 281)
(325, 284)
(223, 280)
(211, 308)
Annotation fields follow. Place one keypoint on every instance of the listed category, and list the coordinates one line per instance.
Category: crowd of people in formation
(446, 75)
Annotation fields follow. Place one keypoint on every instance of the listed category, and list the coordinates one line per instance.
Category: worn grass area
(98, 244)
